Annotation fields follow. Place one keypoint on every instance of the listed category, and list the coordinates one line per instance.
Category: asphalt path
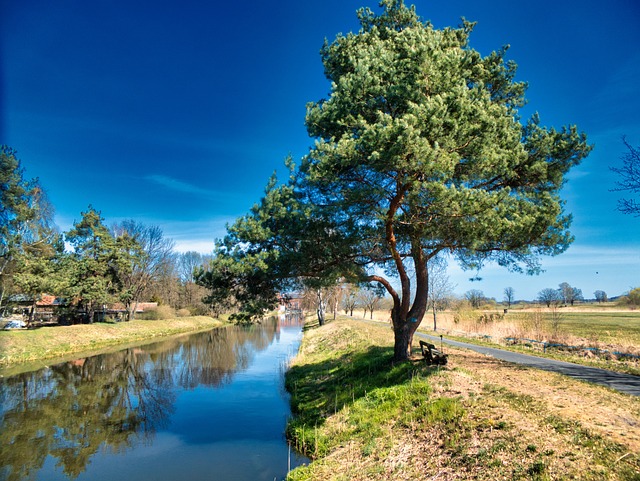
(626, 383)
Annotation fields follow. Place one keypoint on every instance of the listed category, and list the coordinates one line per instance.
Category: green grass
(368, 390)
(605, 327)
(358, 416)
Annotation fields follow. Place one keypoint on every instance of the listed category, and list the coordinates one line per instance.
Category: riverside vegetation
(358, 416)
(49, 343)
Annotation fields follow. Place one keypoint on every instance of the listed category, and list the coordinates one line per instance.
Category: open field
(18, 347)
(592, 326)
(609, 327)
(360, 418)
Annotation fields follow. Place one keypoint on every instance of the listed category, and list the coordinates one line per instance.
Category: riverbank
(20, 347)
(358, 417)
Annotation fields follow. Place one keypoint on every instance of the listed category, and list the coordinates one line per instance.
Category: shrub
(199, 310)
(631, 299)
(160, 312)
(634, 296)
(183, 312)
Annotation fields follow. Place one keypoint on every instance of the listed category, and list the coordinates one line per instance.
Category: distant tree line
(91, 265)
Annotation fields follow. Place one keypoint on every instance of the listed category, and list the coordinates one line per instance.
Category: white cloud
(180, 186)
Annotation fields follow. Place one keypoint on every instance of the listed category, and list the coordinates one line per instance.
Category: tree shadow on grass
(324, 388)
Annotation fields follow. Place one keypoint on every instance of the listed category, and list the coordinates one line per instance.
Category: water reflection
(61, 419)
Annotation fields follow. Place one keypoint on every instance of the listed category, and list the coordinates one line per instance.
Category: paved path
(626, 383)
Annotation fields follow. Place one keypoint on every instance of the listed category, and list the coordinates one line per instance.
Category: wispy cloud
(180, 186)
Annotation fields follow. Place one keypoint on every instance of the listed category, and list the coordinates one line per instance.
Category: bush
(634, 297)
(159, 313)
(631, 299)
(183, 312)
(199, 310)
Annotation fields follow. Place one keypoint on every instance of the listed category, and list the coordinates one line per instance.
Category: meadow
(598, 331)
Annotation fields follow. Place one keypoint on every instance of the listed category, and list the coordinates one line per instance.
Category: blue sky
(175, 113)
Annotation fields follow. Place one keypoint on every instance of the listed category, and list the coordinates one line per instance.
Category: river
(205, 406)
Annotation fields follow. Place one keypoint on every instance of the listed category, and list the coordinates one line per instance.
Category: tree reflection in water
(107, 402)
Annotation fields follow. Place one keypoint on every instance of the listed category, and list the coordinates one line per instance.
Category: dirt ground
(615, 416)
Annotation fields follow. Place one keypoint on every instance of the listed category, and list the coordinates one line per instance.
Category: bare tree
(601, 296)
(334, 297)
(188, 262)
(369, 298)
(191, 294)
(509, 296)
(475, 297)
(569, 294)
(153, 253)
(549, 296)
(440, 289)
(629, 179)
(350, 298)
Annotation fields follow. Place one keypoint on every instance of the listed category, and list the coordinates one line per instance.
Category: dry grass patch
(23, 346)
(478, 418)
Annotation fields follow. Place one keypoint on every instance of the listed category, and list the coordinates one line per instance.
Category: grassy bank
(25, 346)
(358, 417)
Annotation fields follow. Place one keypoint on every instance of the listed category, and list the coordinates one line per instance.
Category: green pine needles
(419, 151)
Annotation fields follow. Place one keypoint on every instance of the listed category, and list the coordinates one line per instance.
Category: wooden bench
(432, 355)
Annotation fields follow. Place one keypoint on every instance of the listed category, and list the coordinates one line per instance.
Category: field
(608, 327)
(361, 418)
(595, 327)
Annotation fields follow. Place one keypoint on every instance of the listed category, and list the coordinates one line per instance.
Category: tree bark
(321, 308)
(435, 324)
(32, 314)
(403, 335)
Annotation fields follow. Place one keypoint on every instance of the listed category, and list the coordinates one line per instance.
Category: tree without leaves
(189, 263)
(549, 296)
(191, 294)
(600, 296)
(475, 297)
(509, 296)
(629, 179)
(143, 253)
(440, 289)
(569, 294)
(419, 150)
(350, 298)
(369, 298)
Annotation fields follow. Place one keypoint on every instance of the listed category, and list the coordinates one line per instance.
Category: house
(291, 301)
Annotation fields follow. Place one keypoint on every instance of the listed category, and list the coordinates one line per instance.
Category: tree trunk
(320, 309)
(90, 312)
(32, 314)
(132, 316)
(402, 342)
(435, 324)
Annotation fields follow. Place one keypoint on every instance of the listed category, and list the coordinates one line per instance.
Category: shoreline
(25, 350)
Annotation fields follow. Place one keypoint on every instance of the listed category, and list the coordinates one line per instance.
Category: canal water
(208, 406)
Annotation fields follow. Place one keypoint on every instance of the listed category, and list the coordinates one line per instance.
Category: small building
(291, 301)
